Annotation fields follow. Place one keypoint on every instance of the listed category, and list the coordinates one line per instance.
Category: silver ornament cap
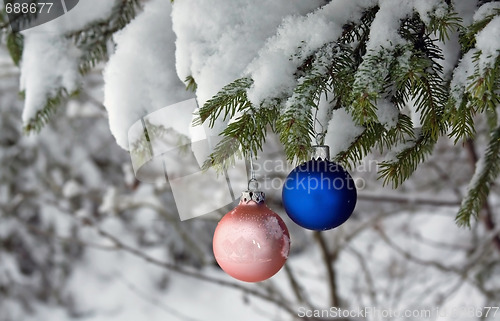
(320, 152)
(256, 196)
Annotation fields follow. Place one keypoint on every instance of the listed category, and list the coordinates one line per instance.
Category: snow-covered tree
(411, 84)
(404, 72)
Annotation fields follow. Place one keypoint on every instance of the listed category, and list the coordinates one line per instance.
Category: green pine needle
(487, 170)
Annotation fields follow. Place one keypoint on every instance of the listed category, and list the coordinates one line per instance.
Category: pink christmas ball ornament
(251, 243)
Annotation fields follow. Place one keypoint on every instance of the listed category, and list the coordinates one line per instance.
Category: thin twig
(329, 265)
(296, 287)
(401, 199)
(367, 274)
(412, 257)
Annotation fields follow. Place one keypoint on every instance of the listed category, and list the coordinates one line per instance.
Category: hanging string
(318, 136)
(253, 184)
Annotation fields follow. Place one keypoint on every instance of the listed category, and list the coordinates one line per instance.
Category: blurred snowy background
(82, 239)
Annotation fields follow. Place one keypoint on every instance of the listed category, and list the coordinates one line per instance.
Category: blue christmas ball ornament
(319, 194)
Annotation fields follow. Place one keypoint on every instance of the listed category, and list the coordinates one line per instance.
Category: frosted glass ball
(251, 243)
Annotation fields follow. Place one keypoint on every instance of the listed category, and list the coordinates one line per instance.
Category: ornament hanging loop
(319, 151)
(252, 193)
(253, 184)
(319, 135)
(320, 138)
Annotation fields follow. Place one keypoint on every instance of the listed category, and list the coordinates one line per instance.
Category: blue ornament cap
(319, 194)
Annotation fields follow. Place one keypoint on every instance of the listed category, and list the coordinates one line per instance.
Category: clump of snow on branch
(426, 7)
(140, 76)
(216, 51)
(342, 131)
(216, 40)
(387, 113)
(50, 60)
(42, 79)
(486, 10)
(384, 29)
(487, 46)
(488, 41)
(461, 75)
(273, 69)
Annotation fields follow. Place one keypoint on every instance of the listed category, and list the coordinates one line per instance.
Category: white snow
(387, 113)
(384, 30)
(415, 115)
(216, 51)
(480, 169)
(427, 7)
(84, 13)
(50, 60)
(273, 228)
(323, 113)
(140, 76)
(273, 69)
(465, 9)
(71, 188)
(485, 10)
(488, 41)
(342, 131)
(461, 74)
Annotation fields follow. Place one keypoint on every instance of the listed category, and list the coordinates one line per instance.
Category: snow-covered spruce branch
(321, 74)
(377, 65)
(407, 73)
(93, 40)
(370, 81)
(86, 46)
